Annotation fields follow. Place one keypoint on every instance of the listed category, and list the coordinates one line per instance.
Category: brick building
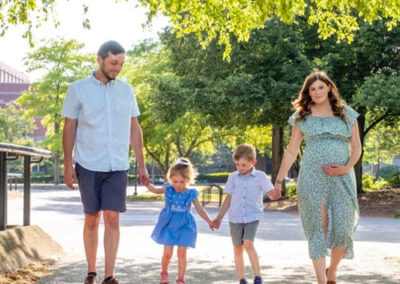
(12, 84)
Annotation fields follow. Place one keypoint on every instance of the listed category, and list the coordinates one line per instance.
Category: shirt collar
(98, 82)
(252, 173)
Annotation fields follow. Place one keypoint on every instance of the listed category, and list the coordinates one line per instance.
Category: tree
(382, 144)
(169, 130)
(62, 63)
(213, 19)
(254, 89)
(220, 19)
(14, 126)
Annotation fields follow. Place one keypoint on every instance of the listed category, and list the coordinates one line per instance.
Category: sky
(122, 21)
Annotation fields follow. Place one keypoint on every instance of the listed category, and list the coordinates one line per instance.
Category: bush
(213, 178)
(386, 172)
(394, 180)
(369, 182)
(291, 189)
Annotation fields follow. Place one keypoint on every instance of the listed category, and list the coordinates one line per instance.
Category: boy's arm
(155, 190)
(203, 213)
(224, 207)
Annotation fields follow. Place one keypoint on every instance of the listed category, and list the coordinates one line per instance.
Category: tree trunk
(277, 153)
(57, 155)
(57, 167)
(358, 165)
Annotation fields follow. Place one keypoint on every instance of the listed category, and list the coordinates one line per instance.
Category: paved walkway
(280, 244)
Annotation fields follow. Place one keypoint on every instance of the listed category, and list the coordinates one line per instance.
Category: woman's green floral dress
(327, 142)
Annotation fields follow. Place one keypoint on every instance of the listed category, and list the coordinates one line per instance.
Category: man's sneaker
(112, 280)
(243, 281)
(90, 279)
(258, 280)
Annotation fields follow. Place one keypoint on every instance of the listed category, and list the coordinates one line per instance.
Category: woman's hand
(335, 170)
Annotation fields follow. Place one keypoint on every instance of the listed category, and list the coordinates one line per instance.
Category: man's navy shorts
(102, 190)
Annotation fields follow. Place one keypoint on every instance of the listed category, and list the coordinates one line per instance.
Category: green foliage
(369, 182)
(386, 172)
(14, 127)
(394, 179)
(382, 142)
(219, 19)
(291, 189)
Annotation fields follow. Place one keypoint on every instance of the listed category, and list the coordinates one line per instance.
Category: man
(100, 120)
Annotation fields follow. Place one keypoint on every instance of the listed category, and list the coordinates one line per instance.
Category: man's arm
(136, 140)
(68, 141)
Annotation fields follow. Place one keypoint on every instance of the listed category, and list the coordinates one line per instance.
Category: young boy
(245, 189)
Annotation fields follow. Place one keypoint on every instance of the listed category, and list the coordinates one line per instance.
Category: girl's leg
(239, 262)
(181, 262)
(336, 256)
(166, 258)
(253, 257)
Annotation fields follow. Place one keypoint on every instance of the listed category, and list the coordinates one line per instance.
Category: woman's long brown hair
(304, 102)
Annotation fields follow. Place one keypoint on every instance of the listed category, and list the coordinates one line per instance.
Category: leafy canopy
(221, 18)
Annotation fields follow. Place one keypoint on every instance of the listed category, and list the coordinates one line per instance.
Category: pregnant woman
(326, 190)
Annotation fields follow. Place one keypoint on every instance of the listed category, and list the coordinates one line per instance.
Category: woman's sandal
(164, 281)
(329, 282)
(180, 281)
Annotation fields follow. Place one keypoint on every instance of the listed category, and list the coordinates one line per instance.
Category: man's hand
(143, 176)
(70, 177)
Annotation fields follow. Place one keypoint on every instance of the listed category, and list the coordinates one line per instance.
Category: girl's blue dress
(176, 225)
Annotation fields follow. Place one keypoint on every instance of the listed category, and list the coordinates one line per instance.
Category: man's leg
(253, 256)
(111, 240)
(90, 239)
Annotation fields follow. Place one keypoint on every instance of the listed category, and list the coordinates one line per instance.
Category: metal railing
(9, 152)
(209, 191)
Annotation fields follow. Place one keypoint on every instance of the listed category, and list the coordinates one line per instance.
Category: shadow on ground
(202, 272)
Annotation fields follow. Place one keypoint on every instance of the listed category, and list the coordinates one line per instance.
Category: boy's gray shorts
(243, 231)
(102, 190)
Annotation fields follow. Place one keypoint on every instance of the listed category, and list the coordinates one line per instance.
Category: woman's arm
(339, 170)
(153, 189)
(290, 156)
(202, 212)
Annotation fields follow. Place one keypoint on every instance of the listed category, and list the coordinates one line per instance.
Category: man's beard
(106, 74)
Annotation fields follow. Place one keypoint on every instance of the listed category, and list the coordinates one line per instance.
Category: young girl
(176, 225)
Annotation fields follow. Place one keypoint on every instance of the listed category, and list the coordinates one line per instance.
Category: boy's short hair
(246, 151)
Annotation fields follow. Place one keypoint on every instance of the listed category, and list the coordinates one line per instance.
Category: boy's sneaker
(258, 280)
(243, 281)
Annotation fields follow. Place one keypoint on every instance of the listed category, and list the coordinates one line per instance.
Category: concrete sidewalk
(280, 243)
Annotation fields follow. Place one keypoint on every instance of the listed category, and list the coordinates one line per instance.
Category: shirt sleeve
(229, 185)
(195, 194)
(266, 183)
(351, 115)
(135, 112)
(71, 106)
(292, 120)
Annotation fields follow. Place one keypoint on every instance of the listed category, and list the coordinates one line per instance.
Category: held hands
(143, 176)
(335, 170)
(216, 223)
(276, 193)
